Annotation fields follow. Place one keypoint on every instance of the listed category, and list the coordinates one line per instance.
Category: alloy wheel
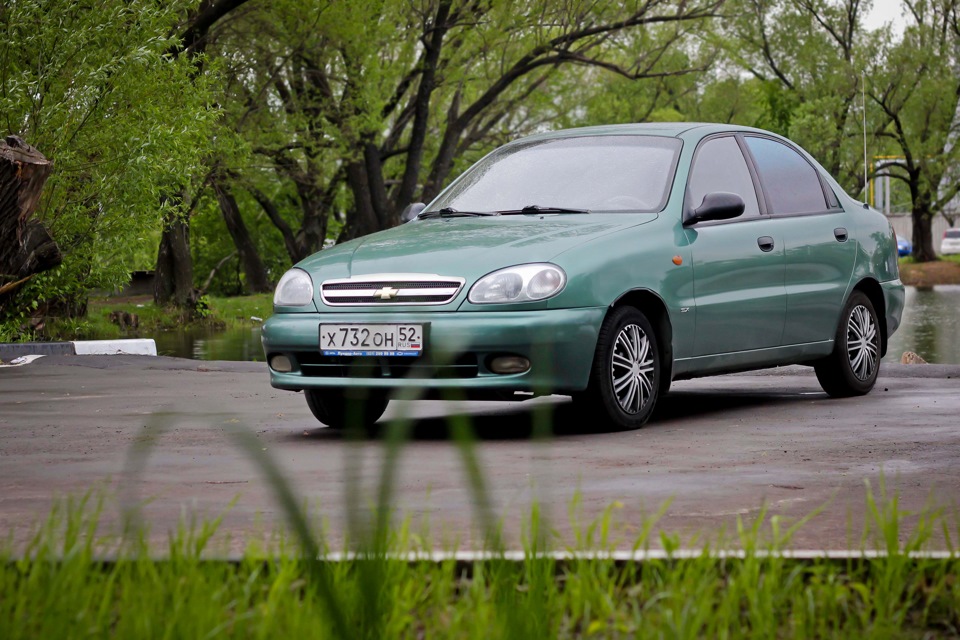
(863, 342)
(632, 369)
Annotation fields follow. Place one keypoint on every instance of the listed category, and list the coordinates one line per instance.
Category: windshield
(596, 173)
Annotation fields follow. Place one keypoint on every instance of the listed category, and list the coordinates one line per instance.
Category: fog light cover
(509, 364)
(281, 363)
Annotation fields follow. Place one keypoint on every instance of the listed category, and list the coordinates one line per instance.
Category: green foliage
(734, 100)
(291, 94)
(808, 57)
(326, 85)
(214, 251)
(201, 308)
(91, 85)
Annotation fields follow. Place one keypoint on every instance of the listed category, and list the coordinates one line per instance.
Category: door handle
(840, 234)
(765, 243)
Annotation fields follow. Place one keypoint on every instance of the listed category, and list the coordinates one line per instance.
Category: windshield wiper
(450, 212)
(533, 208)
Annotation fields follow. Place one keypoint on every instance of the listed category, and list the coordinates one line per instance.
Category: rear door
(818, 239)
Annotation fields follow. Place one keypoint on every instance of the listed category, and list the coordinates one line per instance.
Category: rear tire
(625, 377)
(339, 408)
(852, 368)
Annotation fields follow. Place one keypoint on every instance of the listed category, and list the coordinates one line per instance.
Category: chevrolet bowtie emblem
(386, 293)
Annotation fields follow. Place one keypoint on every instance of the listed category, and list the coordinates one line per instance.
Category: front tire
(339, 408)
(852, 368)
(625, 377)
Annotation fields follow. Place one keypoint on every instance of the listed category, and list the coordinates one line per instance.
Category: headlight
(523, 283)
(295, 289)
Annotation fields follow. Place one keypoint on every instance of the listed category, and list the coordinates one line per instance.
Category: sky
(884, 11)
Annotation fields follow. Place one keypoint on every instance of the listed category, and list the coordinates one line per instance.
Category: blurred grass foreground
(73, 580)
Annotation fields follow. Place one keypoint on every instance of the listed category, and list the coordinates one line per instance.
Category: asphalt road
(718, 449)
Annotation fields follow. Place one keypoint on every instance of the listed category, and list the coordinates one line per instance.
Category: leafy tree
(710, 93)
(173, 280)
(90, 84)
(361, 108)
(916, 84)
(808, 56)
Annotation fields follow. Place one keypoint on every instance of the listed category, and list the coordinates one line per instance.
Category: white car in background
(951, 242)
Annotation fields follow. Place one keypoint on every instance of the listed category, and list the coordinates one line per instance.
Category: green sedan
(601, 263)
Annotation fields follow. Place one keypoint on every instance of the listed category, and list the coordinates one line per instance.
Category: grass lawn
(101, 321)
(946, 270)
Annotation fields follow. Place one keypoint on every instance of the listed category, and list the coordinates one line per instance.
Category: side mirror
(411, 211)
(718, 205)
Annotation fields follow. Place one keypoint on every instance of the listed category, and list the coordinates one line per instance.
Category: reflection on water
(208, 344)
(930, 327)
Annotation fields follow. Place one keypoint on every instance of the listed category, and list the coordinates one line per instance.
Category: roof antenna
(863, 88)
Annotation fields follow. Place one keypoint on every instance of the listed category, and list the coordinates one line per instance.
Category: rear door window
(790, 183)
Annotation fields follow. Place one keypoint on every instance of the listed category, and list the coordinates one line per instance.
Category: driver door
(738, 264)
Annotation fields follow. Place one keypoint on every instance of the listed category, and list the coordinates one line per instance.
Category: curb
(133, 347)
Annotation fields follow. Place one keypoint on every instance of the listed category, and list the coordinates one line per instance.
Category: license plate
(371, 339)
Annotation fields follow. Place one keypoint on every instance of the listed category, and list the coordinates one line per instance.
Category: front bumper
(559, 343)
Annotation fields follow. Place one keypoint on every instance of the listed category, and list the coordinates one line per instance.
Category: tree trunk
(363, 220)
(314, 202)
(173, 281)
(418, 134)
(443, 162)
(295, 250)
(257, 281)
(377, 189)
(26, 247)
(922, 235)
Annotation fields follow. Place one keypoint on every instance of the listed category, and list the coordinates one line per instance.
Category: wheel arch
(872, 289)
(652, 306)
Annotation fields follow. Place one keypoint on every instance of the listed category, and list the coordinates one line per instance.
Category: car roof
(670, 129)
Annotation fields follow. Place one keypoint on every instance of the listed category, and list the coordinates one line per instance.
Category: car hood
(466, 247)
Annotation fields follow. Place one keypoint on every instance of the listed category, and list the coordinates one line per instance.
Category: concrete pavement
(719, 448)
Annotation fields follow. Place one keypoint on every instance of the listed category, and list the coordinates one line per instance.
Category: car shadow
(521, 421)
(678, 405)
(516, 423)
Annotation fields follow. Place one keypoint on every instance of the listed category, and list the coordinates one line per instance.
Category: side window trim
(761, 203)
(765, 209)
(831, 202)
(752, 162)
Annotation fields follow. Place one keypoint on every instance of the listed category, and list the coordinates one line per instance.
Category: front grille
(317, 365)
(407, 289)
